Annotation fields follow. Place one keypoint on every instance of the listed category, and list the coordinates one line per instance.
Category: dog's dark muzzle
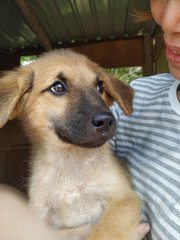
(89, 123)
(92, 133)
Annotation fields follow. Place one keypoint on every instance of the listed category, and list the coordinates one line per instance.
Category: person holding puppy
(149, 140)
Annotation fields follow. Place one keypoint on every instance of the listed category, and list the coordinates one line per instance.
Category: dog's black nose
(104, 123)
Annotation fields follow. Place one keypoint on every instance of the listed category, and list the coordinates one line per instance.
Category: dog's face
(63, 98)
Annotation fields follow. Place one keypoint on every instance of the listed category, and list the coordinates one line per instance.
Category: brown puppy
(76, 183)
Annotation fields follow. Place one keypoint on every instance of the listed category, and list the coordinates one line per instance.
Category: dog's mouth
(88, 134)
(89, 143)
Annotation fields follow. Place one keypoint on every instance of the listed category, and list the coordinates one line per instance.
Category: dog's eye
(99, 86)
(59, 88)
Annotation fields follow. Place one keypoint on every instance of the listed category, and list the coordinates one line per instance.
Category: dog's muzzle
(88, 133)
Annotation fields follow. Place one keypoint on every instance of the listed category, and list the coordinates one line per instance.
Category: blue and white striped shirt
(149, 140)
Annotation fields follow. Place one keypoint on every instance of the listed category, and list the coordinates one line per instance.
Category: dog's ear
(13, 85)
(121, 93)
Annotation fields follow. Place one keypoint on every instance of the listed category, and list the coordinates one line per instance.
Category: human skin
(167, 14)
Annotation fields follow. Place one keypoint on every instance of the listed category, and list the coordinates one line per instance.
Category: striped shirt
(149, 140)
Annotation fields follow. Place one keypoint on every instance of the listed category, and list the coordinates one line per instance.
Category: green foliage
(127, 74)
(28, 59)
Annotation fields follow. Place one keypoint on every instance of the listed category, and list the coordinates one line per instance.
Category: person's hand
(18, 221)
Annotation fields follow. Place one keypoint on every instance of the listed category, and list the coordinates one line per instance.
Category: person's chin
(175, 70)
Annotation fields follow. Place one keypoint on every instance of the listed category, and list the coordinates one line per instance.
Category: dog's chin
(94, 143)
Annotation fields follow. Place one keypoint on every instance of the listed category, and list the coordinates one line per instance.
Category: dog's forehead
(73, 66)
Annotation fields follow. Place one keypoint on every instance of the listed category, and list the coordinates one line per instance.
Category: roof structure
(34, 24)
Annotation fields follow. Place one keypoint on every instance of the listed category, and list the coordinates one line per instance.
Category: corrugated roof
(70, 21)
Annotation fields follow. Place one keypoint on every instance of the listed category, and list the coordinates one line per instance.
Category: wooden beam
(108, 54)
(148, 55)
(31, 18)
(115, 54)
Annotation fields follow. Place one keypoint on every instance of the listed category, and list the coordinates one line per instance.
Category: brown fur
(75, 186)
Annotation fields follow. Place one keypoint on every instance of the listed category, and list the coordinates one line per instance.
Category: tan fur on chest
(75, 189)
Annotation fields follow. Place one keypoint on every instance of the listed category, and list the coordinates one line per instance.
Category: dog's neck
(74, 155)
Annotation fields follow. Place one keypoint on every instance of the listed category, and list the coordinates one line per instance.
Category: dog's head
(63, 97)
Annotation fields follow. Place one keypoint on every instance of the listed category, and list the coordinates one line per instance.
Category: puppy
(76, 184)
